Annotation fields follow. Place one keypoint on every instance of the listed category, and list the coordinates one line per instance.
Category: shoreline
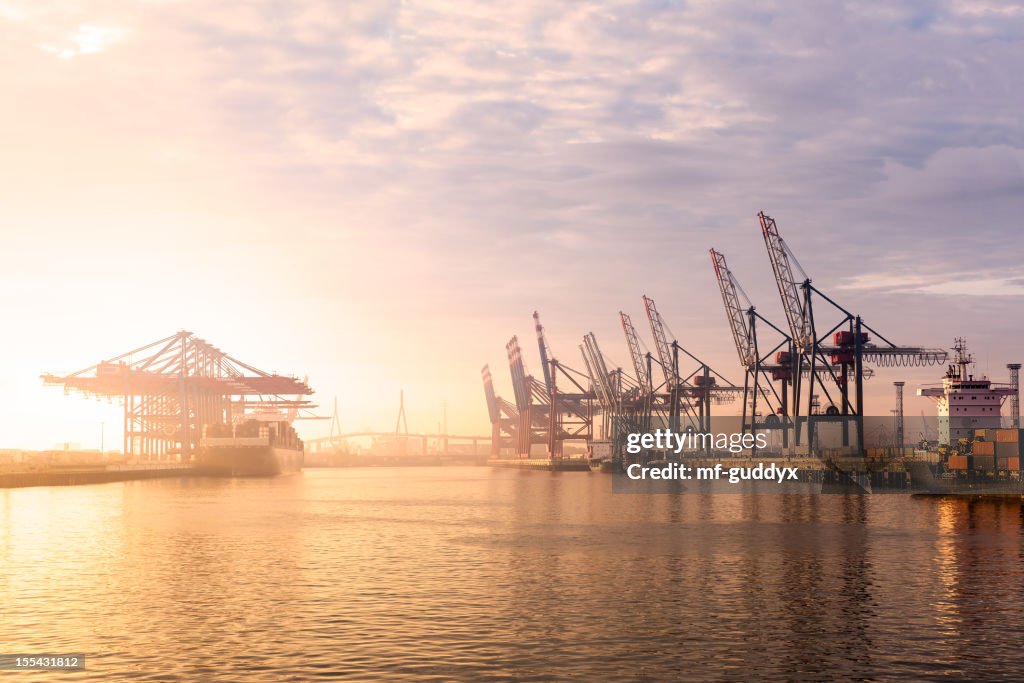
(94, 475)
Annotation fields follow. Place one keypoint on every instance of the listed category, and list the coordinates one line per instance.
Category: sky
(377, 195)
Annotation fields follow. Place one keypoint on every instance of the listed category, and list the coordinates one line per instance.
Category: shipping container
(1007, 449)
(1008, 464)
(983, 448)
(957, 462)
(986, 463)
(1008, 435)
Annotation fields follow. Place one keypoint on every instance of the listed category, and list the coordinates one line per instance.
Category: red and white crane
(843, 349)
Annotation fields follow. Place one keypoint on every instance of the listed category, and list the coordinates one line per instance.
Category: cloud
(946, 284)
(478, 160)
(87, 39)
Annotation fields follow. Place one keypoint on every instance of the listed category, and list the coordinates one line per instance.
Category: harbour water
(476, 574)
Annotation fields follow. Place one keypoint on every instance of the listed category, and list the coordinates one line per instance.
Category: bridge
(395, 444)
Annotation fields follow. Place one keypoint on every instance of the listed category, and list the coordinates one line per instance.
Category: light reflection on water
(473, 574)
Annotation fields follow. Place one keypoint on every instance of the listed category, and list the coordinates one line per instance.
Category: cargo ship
(986, 464)
(253, 448)
(976, 455)
(939, 480)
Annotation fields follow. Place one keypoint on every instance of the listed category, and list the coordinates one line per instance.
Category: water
(472, 574)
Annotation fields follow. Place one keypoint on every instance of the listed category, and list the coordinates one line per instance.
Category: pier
(97, 474)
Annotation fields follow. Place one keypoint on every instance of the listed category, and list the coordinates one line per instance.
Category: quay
(98, 474)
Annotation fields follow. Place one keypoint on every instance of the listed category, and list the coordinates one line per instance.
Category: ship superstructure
(966, 403)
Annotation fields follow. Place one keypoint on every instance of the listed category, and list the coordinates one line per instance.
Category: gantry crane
(643, 400)
(607, 384)
(779, 364)
(688, 394)
(760, 373)
(571, 413)
(641, 360)
(843, 348)
(531, 399)
(547, 413)
(175, 387)
(503, 415)
(544, 351)
(624, 406)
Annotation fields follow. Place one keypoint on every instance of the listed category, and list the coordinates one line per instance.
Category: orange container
(1011, 464)
(983, 448)
(1007, 435)
(957, 462)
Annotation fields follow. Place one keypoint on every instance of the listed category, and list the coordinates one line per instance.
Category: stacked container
(1008, 448)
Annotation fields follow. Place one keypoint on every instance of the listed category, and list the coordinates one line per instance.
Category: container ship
(976, 455)
(253, 448)
(986, 464)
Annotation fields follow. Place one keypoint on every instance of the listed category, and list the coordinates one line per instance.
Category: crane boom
(789, 289)
(545, 354)
(598, 371)
(734, 310)
(661, 344)
(520, 382)
(637, 356)
(601, 366)
(492, 399)
(592, 375)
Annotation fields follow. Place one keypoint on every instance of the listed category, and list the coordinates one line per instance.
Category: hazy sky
(378, 194)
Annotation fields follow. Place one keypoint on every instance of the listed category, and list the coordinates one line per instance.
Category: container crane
(845, 345)
(566, 415)
(779, 364)
(531, 401)
(700, 388)
(643, 403)
(173, 388)
(503, 416)
(760, 373)
(544, 351)
(606, 384)
(641, 360)
(623, 411)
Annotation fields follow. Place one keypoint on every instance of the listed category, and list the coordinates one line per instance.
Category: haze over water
(474, 574)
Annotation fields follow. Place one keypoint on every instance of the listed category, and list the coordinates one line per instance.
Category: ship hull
(925, 482)
(249, 461)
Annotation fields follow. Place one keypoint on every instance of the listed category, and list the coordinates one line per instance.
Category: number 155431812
(42, 661)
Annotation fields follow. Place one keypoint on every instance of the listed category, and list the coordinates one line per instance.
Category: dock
(78, 475)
